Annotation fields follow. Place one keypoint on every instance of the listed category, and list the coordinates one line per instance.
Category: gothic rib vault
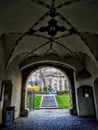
(50, 32)
(28, 25)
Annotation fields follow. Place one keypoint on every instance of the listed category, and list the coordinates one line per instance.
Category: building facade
(51, 77)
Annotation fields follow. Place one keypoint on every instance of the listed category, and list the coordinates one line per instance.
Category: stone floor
(53, 119)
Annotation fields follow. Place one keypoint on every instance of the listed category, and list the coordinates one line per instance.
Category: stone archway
(26, 72)
(86, 101)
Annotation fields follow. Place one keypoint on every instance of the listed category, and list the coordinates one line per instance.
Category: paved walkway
(52, 119)
(48, 101)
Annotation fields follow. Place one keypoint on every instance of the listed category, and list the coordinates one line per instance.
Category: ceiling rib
(67, 3)
(53, 3)
(63, 46)
(40, 46)
(11, 33)
(51, 49)
(42, 36)
(62, 36)
(41, 3)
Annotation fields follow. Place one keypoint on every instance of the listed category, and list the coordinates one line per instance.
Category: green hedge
(62, 92)
(37, 100)
(63, 101)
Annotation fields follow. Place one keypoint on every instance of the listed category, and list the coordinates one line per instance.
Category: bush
(45, 88)
(62, 92)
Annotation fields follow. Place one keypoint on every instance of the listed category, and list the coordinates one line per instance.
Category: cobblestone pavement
(52, 119)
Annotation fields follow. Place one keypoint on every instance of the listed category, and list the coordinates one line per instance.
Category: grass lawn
(63, 101)
(37, 101)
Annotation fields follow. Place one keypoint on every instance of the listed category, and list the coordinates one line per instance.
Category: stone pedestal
(73, 111)
(24, 112)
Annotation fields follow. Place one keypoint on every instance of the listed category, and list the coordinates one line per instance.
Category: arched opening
(86, 101)
(48, 87)
(66, 69)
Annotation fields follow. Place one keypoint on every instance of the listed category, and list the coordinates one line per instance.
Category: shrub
(45, 88)
(62, 92)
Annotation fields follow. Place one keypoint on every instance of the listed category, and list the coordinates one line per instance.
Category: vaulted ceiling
(42, 27)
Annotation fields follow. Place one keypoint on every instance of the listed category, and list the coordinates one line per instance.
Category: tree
(42, 71)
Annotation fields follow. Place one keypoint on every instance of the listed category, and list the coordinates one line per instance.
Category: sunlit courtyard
(48, 81)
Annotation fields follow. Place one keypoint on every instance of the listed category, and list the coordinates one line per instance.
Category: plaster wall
(91, 67)
(87, 81)
(2, 74)
(14, 75)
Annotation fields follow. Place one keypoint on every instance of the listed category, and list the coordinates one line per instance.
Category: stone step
(43, 105)
(48, 101)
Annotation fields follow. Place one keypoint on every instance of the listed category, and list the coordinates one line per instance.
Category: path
(48, 101)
